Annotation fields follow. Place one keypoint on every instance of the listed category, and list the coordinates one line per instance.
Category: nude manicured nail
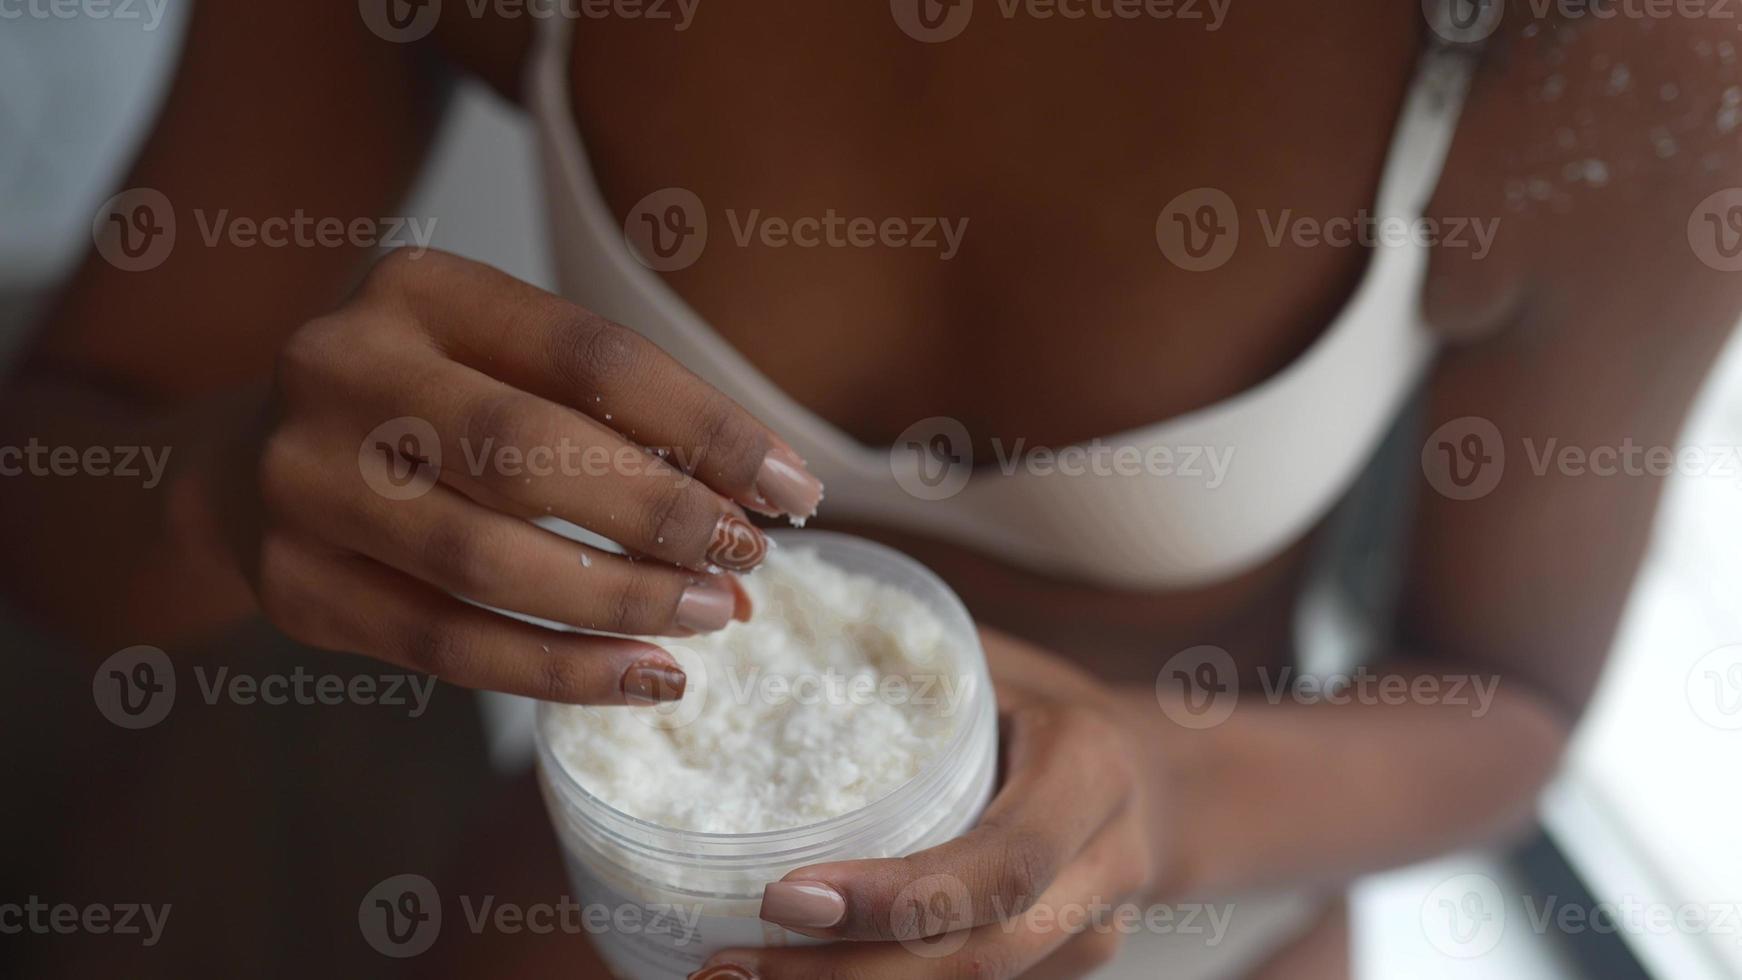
(786, 485)
(725, 971)
(653, 681)
(806, 904)
(706, 606)
(742, 606)
(737, 544)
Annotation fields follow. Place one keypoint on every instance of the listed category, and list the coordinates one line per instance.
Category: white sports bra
(1291, 445)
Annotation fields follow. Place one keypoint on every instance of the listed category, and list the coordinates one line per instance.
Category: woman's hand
(1064, 842)
(418, 428)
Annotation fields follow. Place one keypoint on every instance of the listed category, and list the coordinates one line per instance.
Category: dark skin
(1591, 321)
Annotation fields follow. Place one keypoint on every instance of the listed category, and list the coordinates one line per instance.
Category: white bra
(1291, 445)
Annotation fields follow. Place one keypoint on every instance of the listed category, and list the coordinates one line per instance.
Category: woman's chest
(992, 227)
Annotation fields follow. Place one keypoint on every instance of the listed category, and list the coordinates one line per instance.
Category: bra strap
(1458, 31)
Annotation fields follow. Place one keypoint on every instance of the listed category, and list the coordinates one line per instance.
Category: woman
(1085, 295)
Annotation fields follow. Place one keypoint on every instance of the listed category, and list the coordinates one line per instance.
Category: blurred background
(1647, 811)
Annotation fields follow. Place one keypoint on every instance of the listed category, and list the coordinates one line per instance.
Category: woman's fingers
(487, 403)
(352, 603)
(1077, 924)
(456, 545)
(1062, 789)
(540, 343)
(452, 543)
(517, 451)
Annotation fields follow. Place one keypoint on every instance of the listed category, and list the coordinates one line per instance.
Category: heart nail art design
(737, 544)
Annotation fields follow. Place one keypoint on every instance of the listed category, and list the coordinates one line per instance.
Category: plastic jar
(659, 901)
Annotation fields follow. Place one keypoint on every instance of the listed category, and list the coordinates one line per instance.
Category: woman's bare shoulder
(1590, 143)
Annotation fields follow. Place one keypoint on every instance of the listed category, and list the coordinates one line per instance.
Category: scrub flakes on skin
(839, 689)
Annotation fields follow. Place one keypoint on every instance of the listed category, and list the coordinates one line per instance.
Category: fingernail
(784, 482)
(706, 606)
(725, 971)
(737, 544)
(742, 607)
(653, 681)
(807, 904)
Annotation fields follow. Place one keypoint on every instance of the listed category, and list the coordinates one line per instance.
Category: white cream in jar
(852, 717)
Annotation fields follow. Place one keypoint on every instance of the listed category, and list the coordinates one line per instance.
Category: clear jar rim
(633, 832)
